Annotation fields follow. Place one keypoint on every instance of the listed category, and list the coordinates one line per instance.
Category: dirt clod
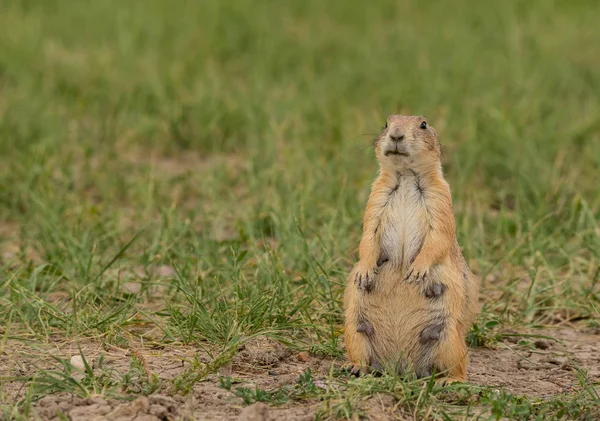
(303, 357)
(131, 410)
(164, 407)
(255, 412)
(261, 351)
(87, 412)
(541, 344)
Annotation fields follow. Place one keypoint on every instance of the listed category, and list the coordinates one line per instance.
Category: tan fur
(414, 309)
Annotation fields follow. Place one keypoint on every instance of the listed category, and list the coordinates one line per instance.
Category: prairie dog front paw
(417, 272)
(364, 278)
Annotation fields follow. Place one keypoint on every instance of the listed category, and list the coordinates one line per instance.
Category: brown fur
(411, 298)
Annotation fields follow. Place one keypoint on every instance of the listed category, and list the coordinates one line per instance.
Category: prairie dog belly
(399, 313)
(403, 223)
(399, 309)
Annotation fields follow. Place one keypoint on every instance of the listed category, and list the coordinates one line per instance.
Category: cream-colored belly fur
(403, 224)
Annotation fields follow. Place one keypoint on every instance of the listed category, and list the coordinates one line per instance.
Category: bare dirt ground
(541, 368)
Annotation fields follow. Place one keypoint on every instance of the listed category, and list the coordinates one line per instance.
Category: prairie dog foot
(447, 381)
(356, 370)
(375, 369)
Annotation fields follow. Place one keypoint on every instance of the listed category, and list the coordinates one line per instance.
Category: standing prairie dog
(411, 298)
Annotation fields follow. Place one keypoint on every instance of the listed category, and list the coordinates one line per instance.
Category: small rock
(256, 412)
(273, 373)
(77, 362)
(539, 344)
(303, 357)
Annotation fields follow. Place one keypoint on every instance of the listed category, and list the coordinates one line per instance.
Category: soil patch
(537, 368)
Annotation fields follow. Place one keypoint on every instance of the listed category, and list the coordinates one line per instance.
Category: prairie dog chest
(404, 221)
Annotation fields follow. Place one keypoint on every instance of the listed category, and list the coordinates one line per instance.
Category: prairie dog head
(407, 142)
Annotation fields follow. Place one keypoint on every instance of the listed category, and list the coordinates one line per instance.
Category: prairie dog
(411, 298)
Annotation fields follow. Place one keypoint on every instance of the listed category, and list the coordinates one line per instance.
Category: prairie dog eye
(386, 125)
(423, 125)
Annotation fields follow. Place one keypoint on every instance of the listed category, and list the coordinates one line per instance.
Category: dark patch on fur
(376, 369)
(432, 332)
(383, 258)
(364, 326)
(419, 186)
(427, 371)
(391, 194)
(418, 183)
(435, 290)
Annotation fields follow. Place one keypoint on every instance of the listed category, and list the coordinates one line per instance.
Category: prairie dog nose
(396, 134)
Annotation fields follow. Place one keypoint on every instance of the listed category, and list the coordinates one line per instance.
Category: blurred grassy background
(234, 139)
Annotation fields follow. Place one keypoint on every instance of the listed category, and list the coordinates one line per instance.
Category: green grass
(230, 143)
